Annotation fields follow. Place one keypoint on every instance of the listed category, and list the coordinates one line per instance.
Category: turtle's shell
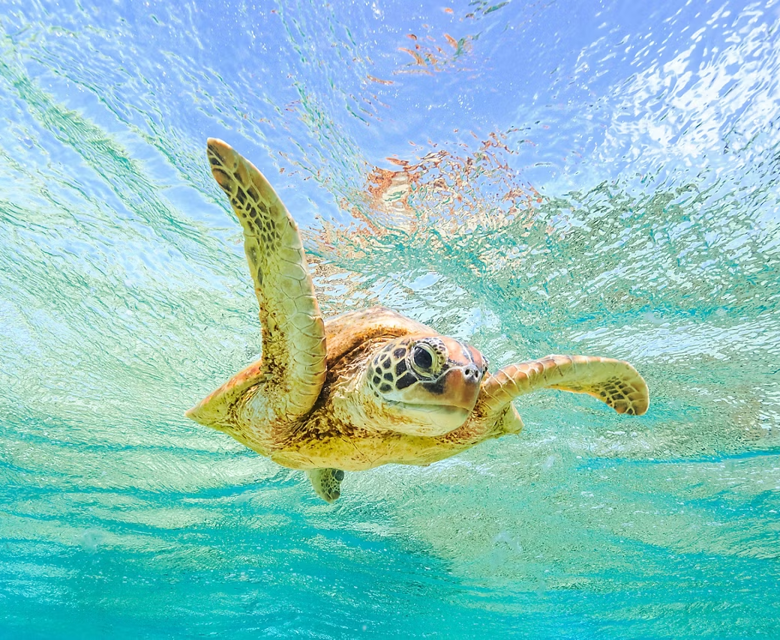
(349, 331)
(343, 334)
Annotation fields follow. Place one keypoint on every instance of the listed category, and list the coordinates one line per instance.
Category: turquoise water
(532, 177)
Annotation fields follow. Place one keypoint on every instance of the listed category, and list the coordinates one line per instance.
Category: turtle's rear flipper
(326, 482)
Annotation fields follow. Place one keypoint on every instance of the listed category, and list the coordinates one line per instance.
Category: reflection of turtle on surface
(370, 387)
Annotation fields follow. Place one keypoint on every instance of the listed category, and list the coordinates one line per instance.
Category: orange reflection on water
(447, 192)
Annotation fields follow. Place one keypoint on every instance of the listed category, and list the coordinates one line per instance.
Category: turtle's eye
(422, 359)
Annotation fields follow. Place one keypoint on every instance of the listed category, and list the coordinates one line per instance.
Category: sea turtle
(369, 387)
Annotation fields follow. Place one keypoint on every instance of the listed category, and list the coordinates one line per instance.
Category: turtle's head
(425, 386)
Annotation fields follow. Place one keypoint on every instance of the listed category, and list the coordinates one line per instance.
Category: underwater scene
(527, 177)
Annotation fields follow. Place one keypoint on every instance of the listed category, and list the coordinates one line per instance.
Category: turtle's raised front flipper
(293, 367)
(614, 382)
(326, 482)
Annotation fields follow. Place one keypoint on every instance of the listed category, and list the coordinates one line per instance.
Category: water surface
(533, 177)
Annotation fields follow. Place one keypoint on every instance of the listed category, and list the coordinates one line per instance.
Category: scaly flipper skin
(614, 382)
(288, 380)
(326, 483)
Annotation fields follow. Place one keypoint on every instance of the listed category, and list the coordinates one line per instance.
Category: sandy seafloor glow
(534, 177)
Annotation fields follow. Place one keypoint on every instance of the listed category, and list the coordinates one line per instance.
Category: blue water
(533, 177)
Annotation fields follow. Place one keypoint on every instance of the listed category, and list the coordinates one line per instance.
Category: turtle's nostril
(471, 372)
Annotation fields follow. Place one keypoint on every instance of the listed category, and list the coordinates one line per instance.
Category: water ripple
(532, 178)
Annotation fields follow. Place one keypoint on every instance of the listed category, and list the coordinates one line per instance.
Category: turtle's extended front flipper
(293, 367)
(614, 382)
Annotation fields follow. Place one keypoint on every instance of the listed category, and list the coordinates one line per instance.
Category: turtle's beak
(461, 387)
